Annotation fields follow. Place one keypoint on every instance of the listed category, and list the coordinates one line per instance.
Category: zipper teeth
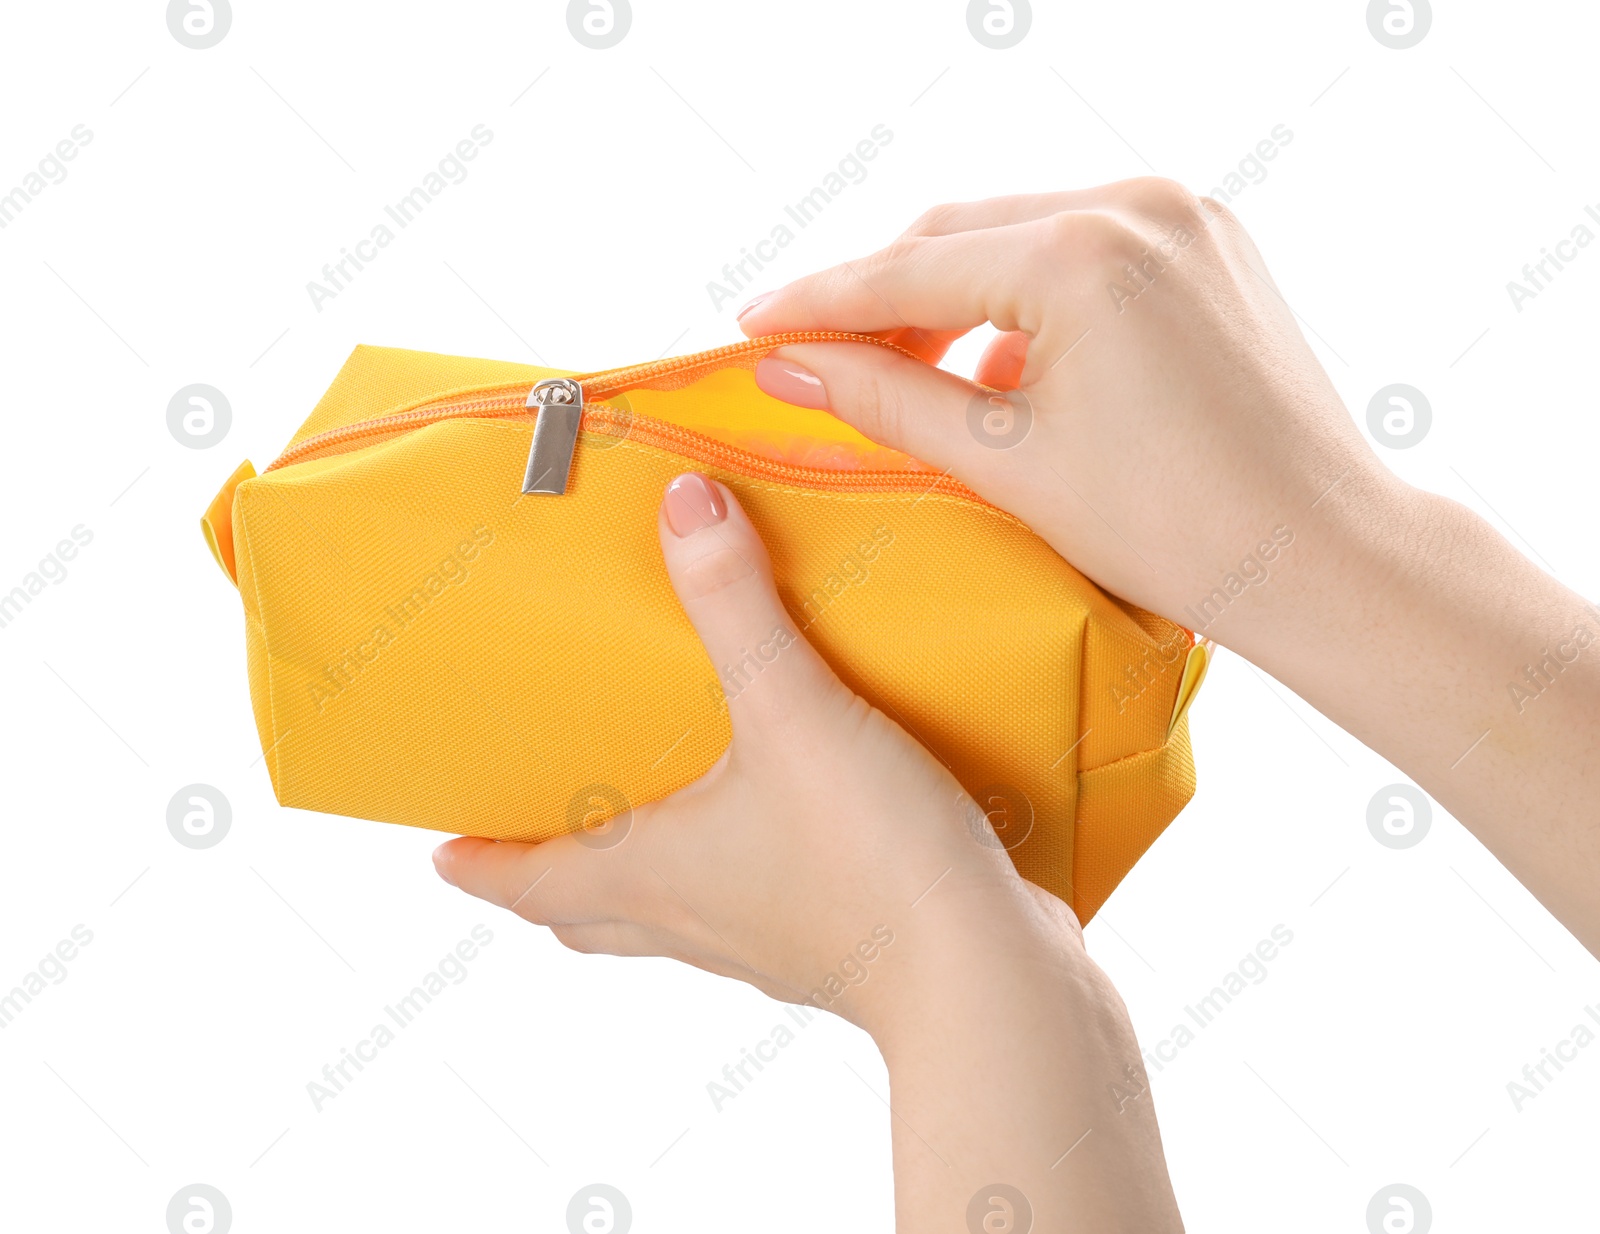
(611, 381)
(417, 417)
(651, 432)
(510, 398)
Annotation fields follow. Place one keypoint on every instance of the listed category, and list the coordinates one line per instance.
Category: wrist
(1002, 1057)
(972, 948)
(1361, 539)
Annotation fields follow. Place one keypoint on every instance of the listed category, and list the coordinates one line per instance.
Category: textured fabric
(428, 646)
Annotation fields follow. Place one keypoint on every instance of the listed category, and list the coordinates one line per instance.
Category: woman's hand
(801, 849)
(1169, 417)
(827, 858)
(1184, 449)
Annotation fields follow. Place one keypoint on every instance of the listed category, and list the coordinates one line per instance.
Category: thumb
(719, 568)
(926, 412)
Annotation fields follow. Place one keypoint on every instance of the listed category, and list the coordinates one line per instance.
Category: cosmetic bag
(457, 616)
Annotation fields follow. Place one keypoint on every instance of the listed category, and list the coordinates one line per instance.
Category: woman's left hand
(827, 858)
(802, 850)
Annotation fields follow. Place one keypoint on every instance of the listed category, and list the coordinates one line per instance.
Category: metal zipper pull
(555, 434)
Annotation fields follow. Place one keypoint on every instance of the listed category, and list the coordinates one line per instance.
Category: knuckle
(878, 403)
(902, 250)
(1221, 211)
(1162, 199)
(531, 912)
(716, 569)
(1065, 234)
(936, 221)
(574, 938)
(522, 890)
(1091, 236)
(1223, 225)
(858, 720)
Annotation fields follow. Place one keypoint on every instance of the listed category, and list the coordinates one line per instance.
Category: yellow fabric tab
(1122, 810)
(1194, 673)
(216, 524)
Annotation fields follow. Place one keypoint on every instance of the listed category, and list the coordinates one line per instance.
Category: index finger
(939, 283)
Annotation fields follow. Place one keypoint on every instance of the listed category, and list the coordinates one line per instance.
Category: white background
(219, 982)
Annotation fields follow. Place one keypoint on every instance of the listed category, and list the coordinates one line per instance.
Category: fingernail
(439, 864)
(786, 380)
(692, 503)
(739, 316)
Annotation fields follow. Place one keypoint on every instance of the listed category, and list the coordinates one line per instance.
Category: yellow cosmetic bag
(457, 617)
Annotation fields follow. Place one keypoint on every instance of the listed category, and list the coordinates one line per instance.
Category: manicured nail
(786, 380)
(692, 503)
(739, 316)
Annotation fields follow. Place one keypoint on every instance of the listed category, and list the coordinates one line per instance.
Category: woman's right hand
(1186, 451)
(1178, 417)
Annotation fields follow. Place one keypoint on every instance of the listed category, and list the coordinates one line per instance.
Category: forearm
(1015, 1067)
(1415, 626)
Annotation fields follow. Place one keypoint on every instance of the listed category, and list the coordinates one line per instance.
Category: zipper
(562, 406)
